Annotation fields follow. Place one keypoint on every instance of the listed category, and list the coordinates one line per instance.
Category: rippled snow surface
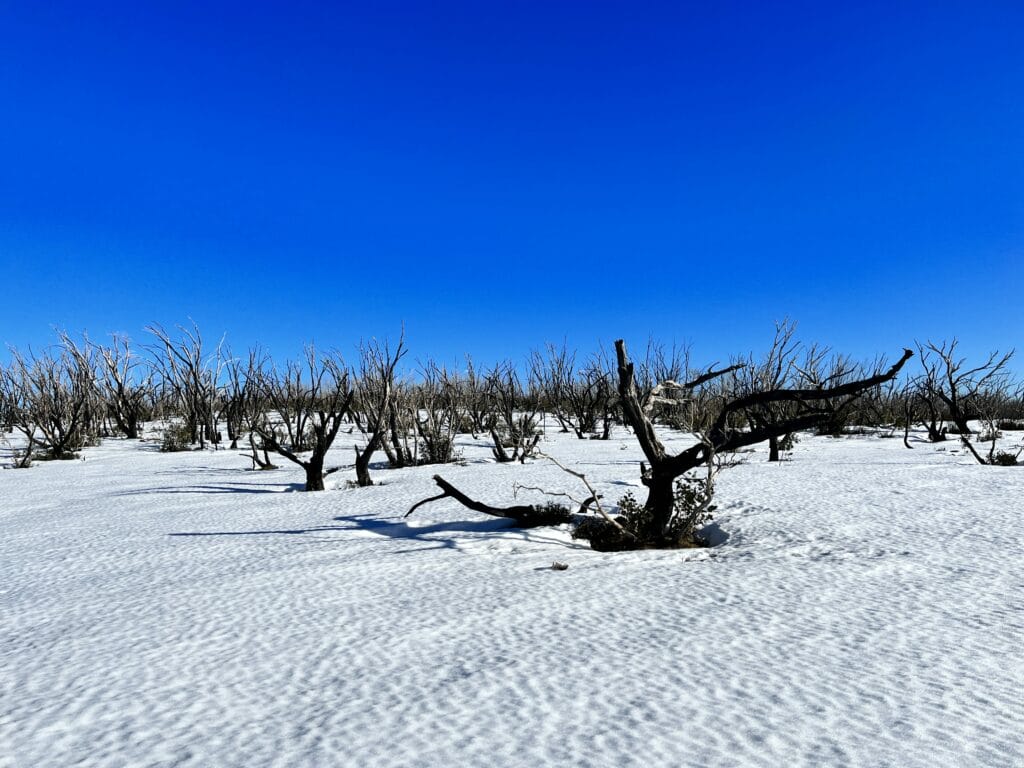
(180, 610)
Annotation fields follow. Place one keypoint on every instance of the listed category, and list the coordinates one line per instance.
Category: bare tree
(513, 421)
(773, 371)
(400, 445)
(948, 380)
(822, 370)
(191, 377)
(436, 415)
(375, 392)
(474, 397)
(579, 397)
(991, 404)
(722, 435)
(304, 407)
(240, 402)
(126, 384)
(50, 399)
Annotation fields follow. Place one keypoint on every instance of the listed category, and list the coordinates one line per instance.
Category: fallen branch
(584, 505)
(525, 516)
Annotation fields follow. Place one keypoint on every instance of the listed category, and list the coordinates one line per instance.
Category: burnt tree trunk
(363, 478)
(665, 468)
(314, 473)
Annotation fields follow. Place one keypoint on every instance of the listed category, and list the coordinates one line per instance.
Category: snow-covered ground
(156, 609)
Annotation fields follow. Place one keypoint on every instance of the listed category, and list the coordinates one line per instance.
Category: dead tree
(436, 415)
(474, 399)
(773, 371)
(821, 369)
(375, 391)
(305, 405)
(191, 377)
(83, 359)
(579, 398)
(50, 398)
(6, 404)
(924, 407)
(401, 420)
(991, 404)
(126, 384)
(240, 400)
(513, 418)
(947, 378)
(662, 469)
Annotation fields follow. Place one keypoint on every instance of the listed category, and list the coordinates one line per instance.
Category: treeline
(80, 390)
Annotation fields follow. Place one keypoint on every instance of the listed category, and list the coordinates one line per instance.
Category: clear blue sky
(497, 175)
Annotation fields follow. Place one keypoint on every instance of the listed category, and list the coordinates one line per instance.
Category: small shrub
(553, 513)
(788, 441)
(1010, 425)
(439, 449)
(692, 511)
(1004, 459)
(834, 426)
(176, 438)
(466, 425)
(48, 456)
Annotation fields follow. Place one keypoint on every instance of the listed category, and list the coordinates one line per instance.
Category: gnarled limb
(525, 516)
(809, 410)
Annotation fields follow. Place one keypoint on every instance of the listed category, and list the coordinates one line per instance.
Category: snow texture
(863, 608)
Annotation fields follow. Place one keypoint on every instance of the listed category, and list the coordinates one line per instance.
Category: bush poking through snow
(1004, 459)
(176, 438)
(437, 448)
(692, 510)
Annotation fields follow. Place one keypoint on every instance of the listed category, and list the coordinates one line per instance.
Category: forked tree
(579, 397)
(513, 418)
(191, 378)
(304, 406)
(52, 401)
(436, 415)
(947, 379)
(810, 408)
(126, 385)
(374, 399)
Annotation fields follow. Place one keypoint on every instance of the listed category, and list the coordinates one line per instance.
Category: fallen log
(525, 516)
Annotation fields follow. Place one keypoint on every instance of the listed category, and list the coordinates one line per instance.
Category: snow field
(864, 608)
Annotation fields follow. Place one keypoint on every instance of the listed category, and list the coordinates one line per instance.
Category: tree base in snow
(605, 537)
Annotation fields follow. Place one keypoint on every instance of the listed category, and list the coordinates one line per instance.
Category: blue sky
(497, 175)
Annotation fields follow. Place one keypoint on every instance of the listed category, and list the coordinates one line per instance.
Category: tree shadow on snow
(223, 488)
(398, 529)
(713, 534)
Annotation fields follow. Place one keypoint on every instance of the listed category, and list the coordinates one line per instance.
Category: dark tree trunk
(665, 468)
(315, 473)
(363, 478)
(773, 448)
(660, 505)
(314, 476)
